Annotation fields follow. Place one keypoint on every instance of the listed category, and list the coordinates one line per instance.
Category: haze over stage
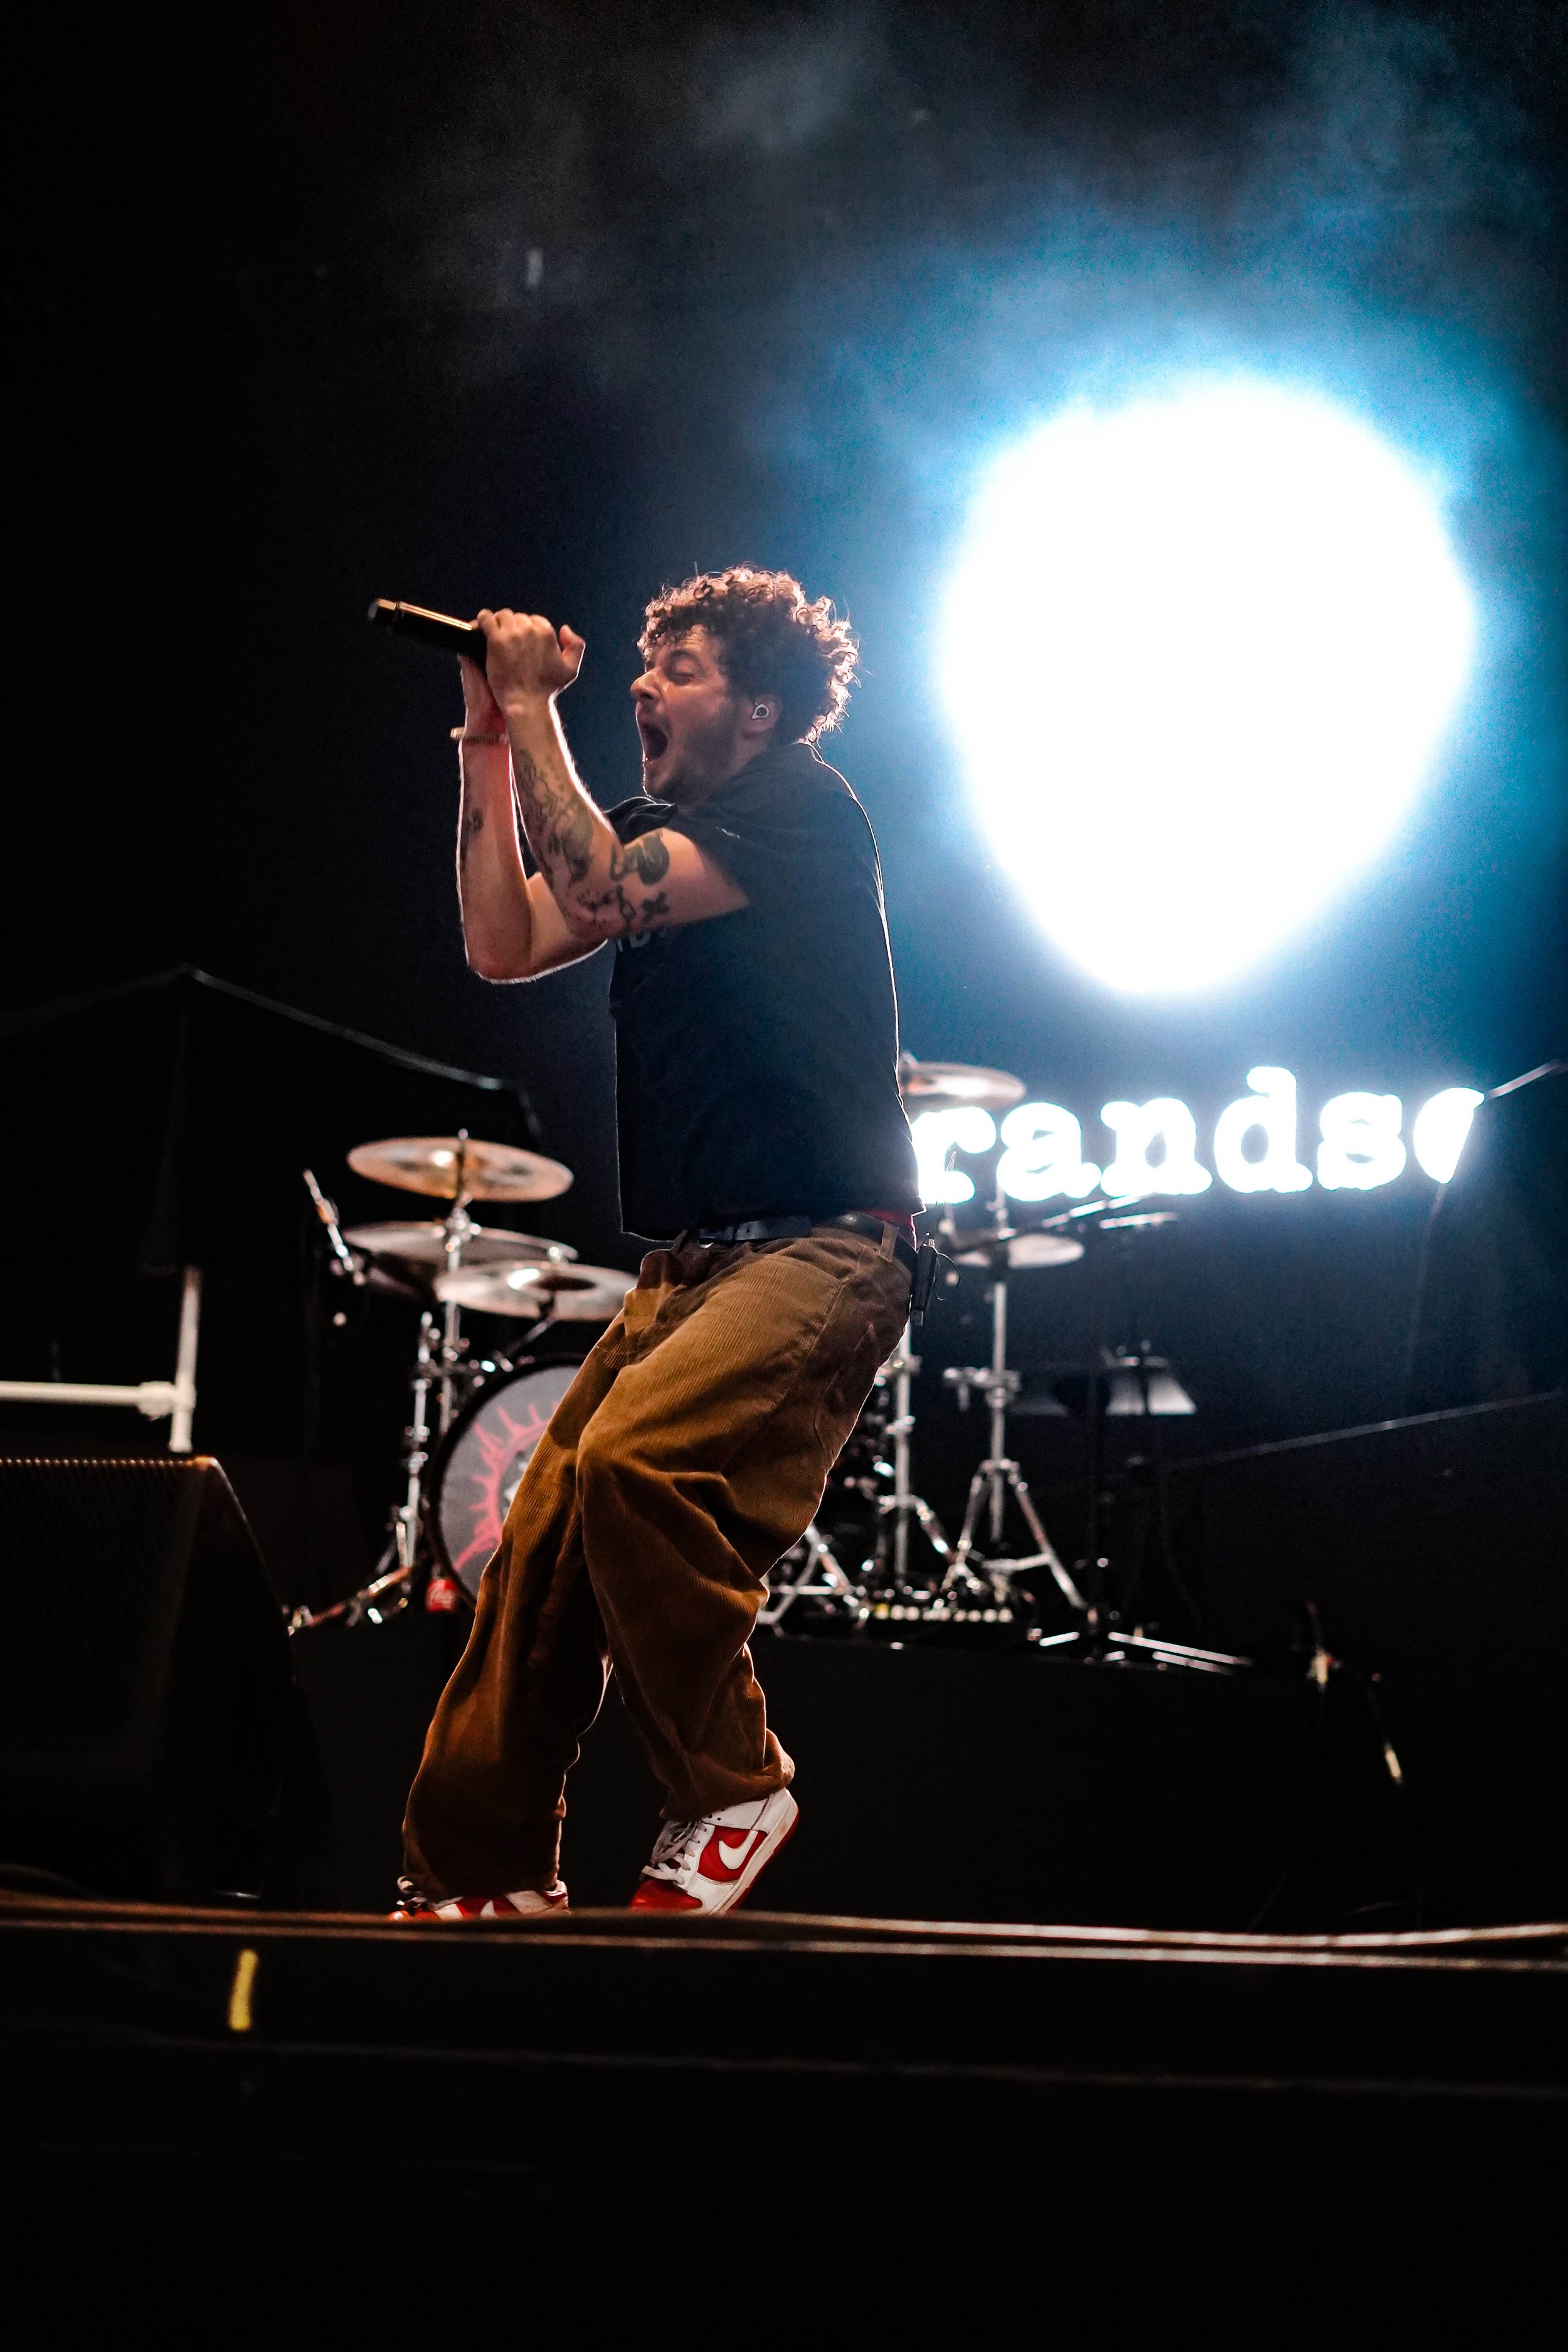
(549, 305)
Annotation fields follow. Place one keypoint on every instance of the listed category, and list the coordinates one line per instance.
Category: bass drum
(482, 1460)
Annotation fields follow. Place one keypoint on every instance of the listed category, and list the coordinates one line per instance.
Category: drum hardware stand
(1103, 1643)
(835, 1585)
(345, 1264)
(459, 1225)
(439, 1365)
(395, 1570)
(1099, 1640)
(999, 1476)
(361, 1606)
(903, 1504)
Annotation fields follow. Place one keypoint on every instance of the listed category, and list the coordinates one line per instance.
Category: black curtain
(165, 1123)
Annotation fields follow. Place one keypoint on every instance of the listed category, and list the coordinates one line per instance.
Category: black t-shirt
(757, 1054)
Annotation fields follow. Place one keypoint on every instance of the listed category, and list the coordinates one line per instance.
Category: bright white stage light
(1199, 653)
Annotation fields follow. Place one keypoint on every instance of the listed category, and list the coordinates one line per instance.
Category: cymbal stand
(999, 1476)
(409, 1518)
(439, 1369)
(834, 1586)
(1101, 1638)
(395, 1570)
(903, 1504)
(457, 1226)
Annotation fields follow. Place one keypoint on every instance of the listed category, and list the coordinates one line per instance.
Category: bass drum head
(482, 1463)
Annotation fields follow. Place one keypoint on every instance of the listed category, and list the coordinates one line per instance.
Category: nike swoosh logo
(732, 1856)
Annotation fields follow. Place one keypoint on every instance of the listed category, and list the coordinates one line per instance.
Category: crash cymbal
(953, 1085)
(561, 1294)
(1028, 1250)
(426, 1245)
(448, 1166)
(999, 1244)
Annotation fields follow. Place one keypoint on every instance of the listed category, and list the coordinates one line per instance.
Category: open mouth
(655, 741)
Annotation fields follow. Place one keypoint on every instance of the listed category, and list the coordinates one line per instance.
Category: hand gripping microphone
(436, 630)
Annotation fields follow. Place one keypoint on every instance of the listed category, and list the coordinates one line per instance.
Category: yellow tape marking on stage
(244, 1970)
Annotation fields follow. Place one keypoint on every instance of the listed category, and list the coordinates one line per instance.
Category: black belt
(792, 1229)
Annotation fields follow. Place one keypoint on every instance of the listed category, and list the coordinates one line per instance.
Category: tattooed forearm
(468, 832)
(604, 887)
(558, 820)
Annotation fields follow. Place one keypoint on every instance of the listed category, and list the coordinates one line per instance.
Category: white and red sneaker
(707, 1865)
(417, 1910)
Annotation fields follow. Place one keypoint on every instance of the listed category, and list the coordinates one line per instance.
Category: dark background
(551, 304)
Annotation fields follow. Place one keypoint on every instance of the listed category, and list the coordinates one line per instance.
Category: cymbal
(424, 1243)
(1028, 1250)
(445, 1166)
(994, 1244)
(560, 1294)
(952, 1086)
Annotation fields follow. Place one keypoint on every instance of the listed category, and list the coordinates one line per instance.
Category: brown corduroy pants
(689, 1453)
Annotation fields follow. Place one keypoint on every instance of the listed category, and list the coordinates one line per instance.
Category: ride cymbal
(454, 1167)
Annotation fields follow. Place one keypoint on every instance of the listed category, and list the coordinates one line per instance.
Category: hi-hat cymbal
(559, 1294)
(952, 1086)
(424, 1243)
(996, 1246)
(449, 1167)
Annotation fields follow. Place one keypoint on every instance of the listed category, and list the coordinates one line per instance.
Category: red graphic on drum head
(485, 1460)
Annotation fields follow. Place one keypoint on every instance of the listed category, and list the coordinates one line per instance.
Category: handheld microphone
(436, 630)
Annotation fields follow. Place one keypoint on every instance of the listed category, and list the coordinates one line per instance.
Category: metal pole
(156, 1399)
(998, 1406)
(459, 1225)
(905, 1367)
(406, 1530)
(448, 1359)
(185, 1361)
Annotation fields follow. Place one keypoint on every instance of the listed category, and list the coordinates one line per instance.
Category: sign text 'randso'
(1154, 1147)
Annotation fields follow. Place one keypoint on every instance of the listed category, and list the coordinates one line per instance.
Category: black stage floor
(1000, 1786)
(1067, 2088)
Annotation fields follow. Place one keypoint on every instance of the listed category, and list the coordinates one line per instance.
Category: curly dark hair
(770, 641)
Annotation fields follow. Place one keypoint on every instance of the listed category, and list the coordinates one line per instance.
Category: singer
(764, 1149)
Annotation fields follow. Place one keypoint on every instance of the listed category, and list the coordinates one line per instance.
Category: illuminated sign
(1154, 1145)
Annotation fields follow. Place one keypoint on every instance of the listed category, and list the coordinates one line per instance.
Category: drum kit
(883, 1562)
(474, 1418)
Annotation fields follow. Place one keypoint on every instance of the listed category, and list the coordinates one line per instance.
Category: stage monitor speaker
(148, 1713)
